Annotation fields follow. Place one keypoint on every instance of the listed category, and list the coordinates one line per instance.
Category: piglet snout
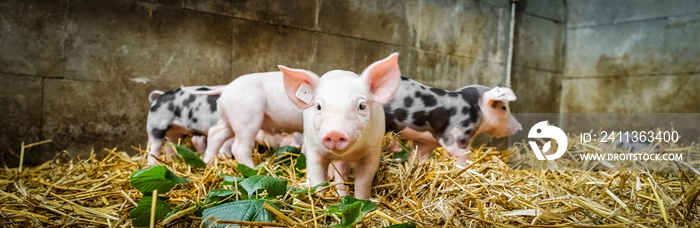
(514, 128)
(336, 140)
(513, 125)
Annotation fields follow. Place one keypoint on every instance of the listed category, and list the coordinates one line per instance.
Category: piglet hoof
(209, 161)
(321, 194)
(394, 145)
(225, 154)
(342, 190)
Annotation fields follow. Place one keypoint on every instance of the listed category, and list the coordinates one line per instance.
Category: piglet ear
(500, 94)
(293, 79)
(383, 78)
(509, 95)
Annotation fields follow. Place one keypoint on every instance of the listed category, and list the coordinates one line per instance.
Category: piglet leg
(200, 143)
(156, 133)
(173, 138)
(316, 169)
(423, 142)
(225, 151)
(460, 153)
(156, 143)
(424, 150)
(364, 174)
(395, 144)
(242, 148)
(246, 128)
(340, 171)
(456, 143)
(217, 135)
(455, 151)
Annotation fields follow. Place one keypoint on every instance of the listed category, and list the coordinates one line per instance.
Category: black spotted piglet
(176, 113)
(433, 117)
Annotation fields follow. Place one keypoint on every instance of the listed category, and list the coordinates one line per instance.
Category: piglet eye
(504, 108)
(318, 107)
(363, 106)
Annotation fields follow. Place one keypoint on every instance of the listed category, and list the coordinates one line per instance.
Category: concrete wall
(78, 72)
(632, 56)
(537, 56)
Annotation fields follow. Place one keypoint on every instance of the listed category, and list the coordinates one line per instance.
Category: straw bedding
(96, 192)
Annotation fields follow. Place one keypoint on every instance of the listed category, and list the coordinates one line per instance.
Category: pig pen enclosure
(76, 77)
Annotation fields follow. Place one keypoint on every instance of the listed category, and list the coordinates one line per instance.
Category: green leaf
(306, 190)
(300, 165)
(351, 211)
(211, 199)
(285, 154)
(190, 157)
(275, 186)
(200, 208)
(288, 149)
(221, 192)
(231, 180)
(403, 225)
(243, 210)
(217, 195)
(367, 205)
(142, 211)
(199, 211)
(248, 172)
(157, 177)
(403, 155)
(349, 216)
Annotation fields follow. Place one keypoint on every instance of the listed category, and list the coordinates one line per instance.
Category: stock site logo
(543, 130)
